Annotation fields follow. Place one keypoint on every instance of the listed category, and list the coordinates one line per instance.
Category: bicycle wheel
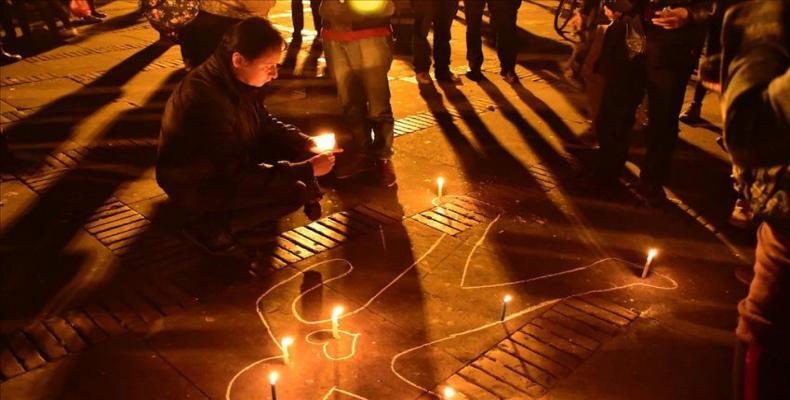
(563, 15)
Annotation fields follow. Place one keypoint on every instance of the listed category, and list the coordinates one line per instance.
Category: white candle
(273, 381)
(505, 302)
(440, 185)
(286, 343)
(650, 255)
(325, 142)
(336, 312)
(448, 393)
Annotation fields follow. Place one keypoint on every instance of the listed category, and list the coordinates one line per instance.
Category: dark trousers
(200, 38)
(437, 15)
(52, 10)
(664, 80)
(10, 9)
(297, 13)
(503, 21)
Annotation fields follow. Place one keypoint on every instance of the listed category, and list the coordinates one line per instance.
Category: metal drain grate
(528, 363)
(117, 226)
(455, 216)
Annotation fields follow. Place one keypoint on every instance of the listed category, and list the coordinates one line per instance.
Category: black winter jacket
(217, 138)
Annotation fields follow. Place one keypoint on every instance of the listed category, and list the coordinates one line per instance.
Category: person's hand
(672, 18)
(576, 22)
(322, 163)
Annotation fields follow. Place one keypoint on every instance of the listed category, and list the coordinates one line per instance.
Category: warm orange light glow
(273, 377)
(286, 342)
(508, 298)
(325, 142)
(336, 313)
(440, 185)
(448, 392)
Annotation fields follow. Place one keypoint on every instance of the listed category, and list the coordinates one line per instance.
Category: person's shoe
(7, 58)
(213, 239)
(475, 75)
(67, 33)
(510, 77)
(313, 210)
(90, 19)
(98, 14)
(447, 77)
(424, 78)
(385, 173)
(692, 114)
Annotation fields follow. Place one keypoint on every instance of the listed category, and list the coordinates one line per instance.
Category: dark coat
(215, 135)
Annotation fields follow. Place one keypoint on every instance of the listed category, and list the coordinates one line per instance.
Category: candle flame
(652, 253)
(449, 392)
(507, 298)
(273, 377)
(337, 311)
(325, 142)
(287, 341)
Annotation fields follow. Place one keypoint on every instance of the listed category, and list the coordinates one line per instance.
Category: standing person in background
(200, 37)
(504, 14)
(437, 15)
(51, 11)
(756, 110)
(357, 40)
(297, 14)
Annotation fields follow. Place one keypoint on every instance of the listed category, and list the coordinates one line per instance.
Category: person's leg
(7, 21)
(442, 24)
(44, 10)
(340, 62)
(315, 6)
(20, 12)
(504, 14)
(60, 12)
(297, 16)
(666, 86)
(376, 55)
(473, 13)
(615, 119)
(424, 12)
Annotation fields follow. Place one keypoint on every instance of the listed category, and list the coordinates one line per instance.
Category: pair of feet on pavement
(475, 74)
(381, 171)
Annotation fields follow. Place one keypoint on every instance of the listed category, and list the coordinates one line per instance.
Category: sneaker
(213, 239)
(385, 173)
(475, 75)
(98, 14)
(447, 77)
(424, 78)
(352, 165)
(692, 114)
(90, 19)
(509, 76)
(67, 33)
(7, 58)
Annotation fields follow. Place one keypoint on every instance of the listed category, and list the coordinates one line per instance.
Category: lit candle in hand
(286, 343)
(273, 381)
(336, 312)
(650, 255)
(325, 143)
(505, 301)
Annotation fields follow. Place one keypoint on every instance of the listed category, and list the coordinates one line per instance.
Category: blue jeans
(360, 70)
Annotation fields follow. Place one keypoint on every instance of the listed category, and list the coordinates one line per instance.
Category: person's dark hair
(252, 37)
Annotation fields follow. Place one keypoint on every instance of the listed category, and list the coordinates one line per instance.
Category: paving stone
(66, 335)
(589, 320)
(547, 361)
(555, 341)
(610, 306)
(315, 236)
(104, 320)
(9, 365)
(597, 312)
(433, 224)
(559, 356)
(83, 324)
(576, 326)
(469, 389)
(493, 384)
(566, 333)
(323, 230)
(520, 366)
(304, 241)
(294, 248)
(24, 350)
(142, 308)
(517, 380)
(50, 348)
(119, 310)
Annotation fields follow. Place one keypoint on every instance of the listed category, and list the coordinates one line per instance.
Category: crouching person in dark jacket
(223, 157)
